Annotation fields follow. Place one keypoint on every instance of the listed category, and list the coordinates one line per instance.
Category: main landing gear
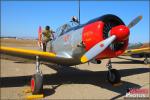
(113, 76)
(37, 79)
(146, 60)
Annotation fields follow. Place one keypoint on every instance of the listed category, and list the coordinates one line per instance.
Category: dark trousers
(44, 46)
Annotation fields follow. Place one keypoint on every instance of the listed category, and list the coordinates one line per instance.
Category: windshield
(64, 28)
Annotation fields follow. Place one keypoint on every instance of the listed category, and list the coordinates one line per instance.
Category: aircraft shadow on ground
(72, 75)
(128, 61)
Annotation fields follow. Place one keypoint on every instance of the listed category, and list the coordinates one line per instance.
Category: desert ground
(75, 82)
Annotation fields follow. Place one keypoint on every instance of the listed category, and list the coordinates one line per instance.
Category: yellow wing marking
(29, 52)
(138, 50)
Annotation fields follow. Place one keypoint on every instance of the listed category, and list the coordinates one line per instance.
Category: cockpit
(65, 28)
(72, 25)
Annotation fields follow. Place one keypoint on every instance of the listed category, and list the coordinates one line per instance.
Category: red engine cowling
(99, 30)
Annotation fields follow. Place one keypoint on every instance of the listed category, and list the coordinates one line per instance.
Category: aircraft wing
(16, 54)
(137, 51)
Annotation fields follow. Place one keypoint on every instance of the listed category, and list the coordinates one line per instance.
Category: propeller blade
(135, 21)
(97, 49)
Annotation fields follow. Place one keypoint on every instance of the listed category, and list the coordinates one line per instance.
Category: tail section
(40, 37)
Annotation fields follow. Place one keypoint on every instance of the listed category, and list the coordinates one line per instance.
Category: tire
(115, 76)
(37, 83)
(146, 61)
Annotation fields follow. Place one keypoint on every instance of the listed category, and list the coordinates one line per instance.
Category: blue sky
(22, 18)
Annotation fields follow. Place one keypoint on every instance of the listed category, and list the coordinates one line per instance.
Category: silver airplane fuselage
(72, 43)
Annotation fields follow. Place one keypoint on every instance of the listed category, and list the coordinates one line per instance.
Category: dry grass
(18, 42)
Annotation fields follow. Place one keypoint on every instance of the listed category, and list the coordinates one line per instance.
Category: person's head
(47, 28)
(75, 19)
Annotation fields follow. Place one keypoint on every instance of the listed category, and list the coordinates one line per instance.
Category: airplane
(104, 37)
(135, 45)
(139, 53)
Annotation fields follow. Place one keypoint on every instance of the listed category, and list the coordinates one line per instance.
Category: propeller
(117, 33)
(134, 22)
(97, 49)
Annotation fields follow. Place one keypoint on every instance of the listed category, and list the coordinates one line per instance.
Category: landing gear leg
(146, 60)
(113, 76)
(37, 79)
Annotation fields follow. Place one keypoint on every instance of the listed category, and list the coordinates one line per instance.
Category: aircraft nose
(121, 32)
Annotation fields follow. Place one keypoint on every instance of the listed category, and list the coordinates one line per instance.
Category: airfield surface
(80, 82)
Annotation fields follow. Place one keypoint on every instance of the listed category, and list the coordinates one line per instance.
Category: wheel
(113, 76)
(146, 61)
(37, 83)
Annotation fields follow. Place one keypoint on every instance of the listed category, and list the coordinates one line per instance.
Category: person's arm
(53, 35)
(53, 31)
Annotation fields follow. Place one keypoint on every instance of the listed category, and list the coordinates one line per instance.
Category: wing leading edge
(13, 53)
(136, 51)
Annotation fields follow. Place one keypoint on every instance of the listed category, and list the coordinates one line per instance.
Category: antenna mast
(79, 10)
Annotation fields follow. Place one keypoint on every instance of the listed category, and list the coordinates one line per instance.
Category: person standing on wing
(47, 36)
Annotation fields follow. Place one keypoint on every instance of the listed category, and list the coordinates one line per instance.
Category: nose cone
(121, 32)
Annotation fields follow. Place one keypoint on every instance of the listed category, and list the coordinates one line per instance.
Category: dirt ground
(75, 82)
